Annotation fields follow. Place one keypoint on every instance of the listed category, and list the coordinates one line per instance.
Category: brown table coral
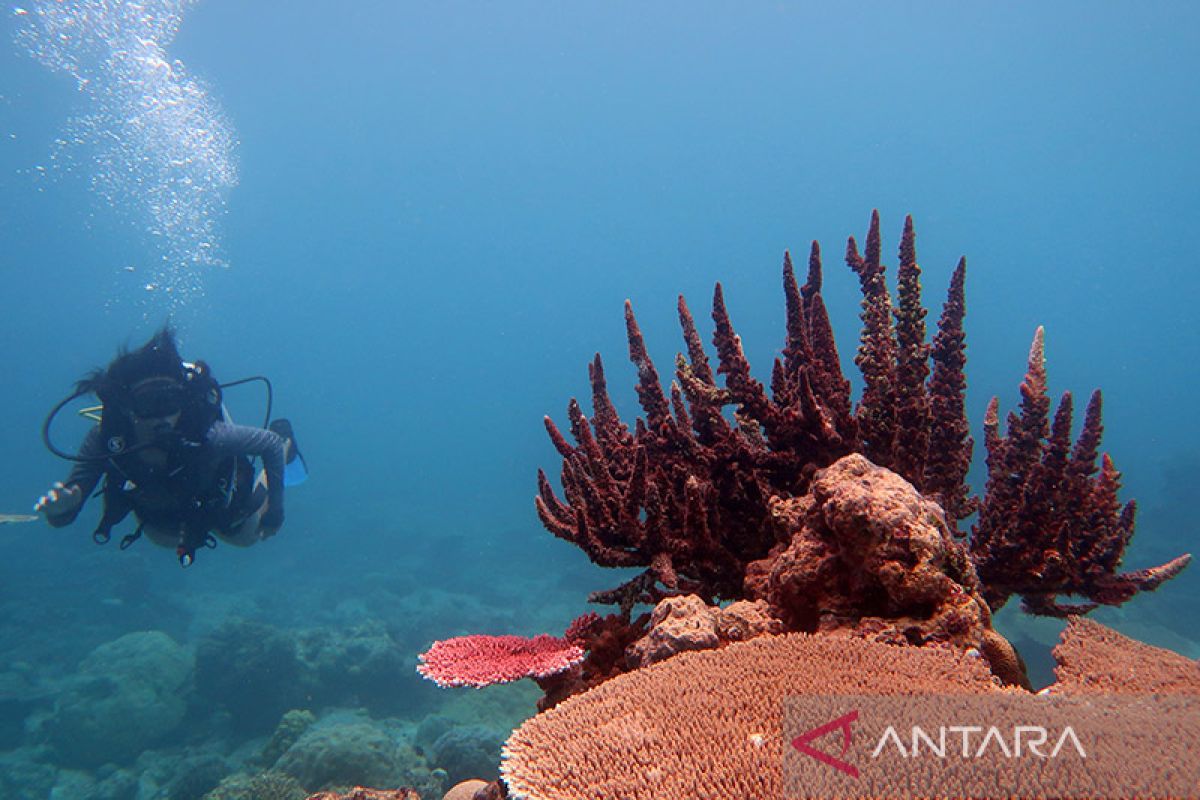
(710, 724)
(1093, 658)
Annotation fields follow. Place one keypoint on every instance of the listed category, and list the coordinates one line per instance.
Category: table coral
(1095, 659)
(711, 724)
(708, 724)
(486, 660)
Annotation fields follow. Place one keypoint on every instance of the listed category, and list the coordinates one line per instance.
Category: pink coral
(485, 660)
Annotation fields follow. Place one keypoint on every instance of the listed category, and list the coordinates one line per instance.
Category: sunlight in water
(152, 142)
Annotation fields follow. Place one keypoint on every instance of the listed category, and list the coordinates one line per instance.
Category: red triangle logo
(801, 743)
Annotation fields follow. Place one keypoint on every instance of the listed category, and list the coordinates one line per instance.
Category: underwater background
(421, 220)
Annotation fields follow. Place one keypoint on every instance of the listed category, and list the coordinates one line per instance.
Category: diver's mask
(157, 398)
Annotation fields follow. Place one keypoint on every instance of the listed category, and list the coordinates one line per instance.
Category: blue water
(440, 209)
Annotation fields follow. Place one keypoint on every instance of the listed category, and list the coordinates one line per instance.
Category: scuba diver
(168, 452)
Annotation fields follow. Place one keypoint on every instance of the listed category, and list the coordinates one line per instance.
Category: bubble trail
(155, 145)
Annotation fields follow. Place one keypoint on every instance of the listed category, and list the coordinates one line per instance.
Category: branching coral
(1050, 523)
(686, 494)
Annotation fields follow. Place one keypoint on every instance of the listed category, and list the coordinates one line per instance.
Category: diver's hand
(60, 500)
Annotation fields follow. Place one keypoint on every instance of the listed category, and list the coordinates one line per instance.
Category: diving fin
(295, 469)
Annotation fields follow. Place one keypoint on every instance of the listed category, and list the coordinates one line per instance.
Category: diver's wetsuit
(223, 440)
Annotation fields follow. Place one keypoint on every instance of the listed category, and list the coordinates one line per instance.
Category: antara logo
(843, 722)
(976, 741)
(992, 739)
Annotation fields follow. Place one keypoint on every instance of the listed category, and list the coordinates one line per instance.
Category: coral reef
(469, 751)
(346, 753)
(291, 727)
(604, 641)
(351, 750)
(708, 724)
(23, 773)
(679, 624)
(354, 665)
(688, 493)
(361, 793)
(196, 775)
(126, 696)
(486, 660)
(429, 731)
(863, 551)
(1095, 659)
(20, 694)
(251, 669)
(263, 786)
(837, 522)
(1050, 523)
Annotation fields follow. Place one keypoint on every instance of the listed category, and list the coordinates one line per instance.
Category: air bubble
(155, 144)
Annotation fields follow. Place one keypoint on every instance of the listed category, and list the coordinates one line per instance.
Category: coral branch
(650, 393)
(1051, 524)
(876, 413)
(950, 443)
(825, 371)
(912, 365)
